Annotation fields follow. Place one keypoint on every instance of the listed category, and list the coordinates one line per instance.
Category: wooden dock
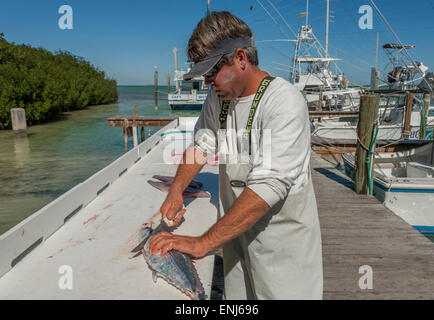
(333, 114)
(131, 123)
(140, 121)
(357, 230)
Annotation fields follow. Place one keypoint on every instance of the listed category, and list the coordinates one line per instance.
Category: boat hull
(414, 203)
(186, 106)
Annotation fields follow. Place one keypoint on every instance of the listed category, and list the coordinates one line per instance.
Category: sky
(127, 39)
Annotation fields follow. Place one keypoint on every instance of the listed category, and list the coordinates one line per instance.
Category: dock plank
(358, 230)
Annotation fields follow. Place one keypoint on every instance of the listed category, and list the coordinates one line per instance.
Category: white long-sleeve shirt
(280, 138)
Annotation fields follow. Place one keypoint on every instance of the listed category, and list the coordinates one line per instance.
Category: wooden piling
(320, 101)
(135, 140)
(368, 116)
(19, 123)
(126, 134)
(168, 83)
(156, 88)
(424, 115)
(134, 128)
(407, 119)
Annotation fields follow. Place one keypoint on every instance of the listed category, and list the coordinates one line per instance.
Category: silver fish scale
(177, 269)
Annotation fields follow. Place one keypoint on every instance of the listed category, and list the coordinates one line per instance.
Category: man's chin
(224, 96)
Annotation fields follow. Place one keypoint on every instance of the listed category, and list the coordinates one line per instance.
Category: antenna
(208, 5)
(327, 30)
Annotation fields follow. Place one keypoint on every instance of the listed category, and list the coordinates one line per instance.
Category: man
(269, 226)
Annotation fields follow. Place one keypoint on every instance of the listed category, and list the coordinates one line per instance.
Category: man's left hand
(165, 242)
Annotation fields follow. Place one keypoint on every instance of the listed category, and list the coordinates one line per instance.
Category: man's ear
(241, 58)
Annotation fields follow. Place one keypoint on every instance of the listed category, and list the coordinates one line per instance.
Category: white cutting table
(95, 243)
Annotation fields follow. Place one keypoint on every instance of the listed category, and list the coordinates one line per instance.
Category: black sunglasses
(216, 68)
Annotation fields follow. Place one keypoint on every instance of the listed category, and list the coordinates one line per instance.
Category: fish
(193, 184)
(175, 267)
(188, 192)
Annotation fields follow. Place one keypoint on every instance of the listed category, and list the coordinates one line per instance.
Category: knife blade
(162, 226)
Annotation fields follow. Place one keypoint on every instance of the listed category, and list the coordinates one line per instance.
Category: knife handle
(170, 222)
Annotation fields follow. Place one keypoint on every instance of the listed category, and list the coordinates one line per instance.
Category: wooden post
(424, 114)
(135, 135)
(320, 101)
(156, 88)
(134, 128)
(19, 123)
(126, 134)
(373, 78)
(368, 115)
(407, 118)
(168, 83)
(175, 55)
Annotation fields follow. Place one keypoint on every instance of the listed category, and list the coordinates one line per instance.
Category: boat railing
(20, 240)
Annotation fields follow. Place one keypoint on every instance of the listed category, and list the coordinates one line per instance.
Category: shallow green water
(58, 155)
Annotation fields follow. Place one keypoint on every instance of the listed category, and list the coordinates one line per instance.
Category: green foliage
(45, 84)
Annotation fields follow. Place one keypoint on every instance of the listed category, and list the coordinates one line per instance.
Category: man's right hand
(172, 208)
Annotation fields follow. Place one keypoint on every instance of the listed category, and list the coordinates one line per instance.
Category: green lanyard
(259, 93)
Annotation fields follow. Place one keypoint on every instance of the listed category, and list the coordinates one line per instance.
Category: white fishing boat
(312, 74)
(189, 94)
(79, 245)
(405, 74)
(391, 127)
(404, 182)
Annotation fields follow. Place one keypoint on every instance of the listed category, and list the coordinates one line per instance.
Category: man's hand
(165, 242)
(171, 206)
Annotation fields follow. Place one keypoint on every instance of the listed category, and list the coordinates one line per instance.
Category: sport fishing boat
(404, 182)
(404, 74)
(391, 126)
(312, 74)
(189, 94)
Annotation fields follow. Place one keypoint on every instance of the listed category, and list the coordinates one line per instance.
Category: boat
(391, 127)
(189, 94)
(404, 182)
(79, 245)
(311, 72)
(404, 75)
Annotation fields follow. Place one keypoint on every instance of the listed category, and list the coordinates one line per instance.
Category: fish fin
(144, 234)
(136, 255)
(163, 178)
(154, 276)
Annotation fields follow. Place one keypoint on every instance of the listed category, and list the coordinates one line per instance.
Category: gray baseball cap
(225, 46)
